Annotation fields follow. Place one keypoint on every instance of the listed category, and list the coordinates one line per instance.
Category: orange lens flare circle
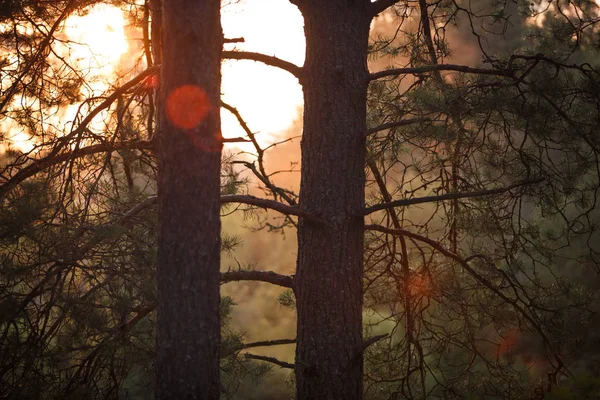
(187, 106)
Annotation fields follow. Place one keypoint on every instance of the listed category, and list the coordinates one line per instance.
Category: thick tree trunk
(330, 256)
(189, 153)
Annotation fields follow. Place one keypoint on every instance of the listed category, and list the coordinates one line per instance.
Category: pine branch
(53, 157)
(448, 196)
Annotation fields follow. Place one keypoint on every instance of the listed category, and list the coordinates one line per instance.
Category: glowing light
(98, 37)
(508, 342)
(187, 106)
(19, 141)
(267, 98)
(151, 82)
(420, 285)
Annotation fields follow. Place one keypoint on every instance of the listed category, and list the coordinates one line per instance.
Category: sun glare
(267, 98)
(98, 37)
(96, 43)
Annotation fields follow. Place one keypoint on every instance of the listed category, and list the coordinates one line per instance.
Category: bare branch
(53, 159)
(360, 349)
(269, 204)
(265, 59)
(373, 340)
(436, 68)
(234, 40)
(448, 196)
(150, 201)
(265, 343)
(261, 175)
(236, 140)
(233, 198)
(111, 99)
(272, 360)
(260, 276)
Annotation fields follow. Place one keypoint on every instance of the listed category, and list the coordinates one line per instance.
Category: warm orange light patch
(151, 82)
(419, 285)
(508, 342)
(187, 106)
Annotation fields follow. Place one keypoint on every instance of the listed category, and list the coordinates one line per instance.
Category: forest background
(78, 244)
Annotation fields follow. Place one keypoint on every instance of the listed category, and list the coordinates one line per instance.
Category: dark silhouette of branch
(12, 90)
(448, 196)
(266, 343)
(269, 204)
(118, 92)
(272, 360)
(437, 68)
(261, 276)
(366, 343)
(233, 198)
(150, 201)
(262, 174)
(53, 159)
(373, 340)
(265, 59)
(234, 40)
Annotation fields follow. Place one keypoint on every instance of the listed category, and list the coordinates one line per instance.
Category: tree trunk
(189, 153)
(329, 361)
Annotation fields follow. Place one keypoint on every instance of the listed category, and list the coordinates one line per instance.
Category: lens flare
(151, 82)
(187, 106)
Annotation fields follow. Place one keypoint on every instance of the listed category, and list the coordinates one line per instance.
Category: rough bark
(330, 256)
(188, 331)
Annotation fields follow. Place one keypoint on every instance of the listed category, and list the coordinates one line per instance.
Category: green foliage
(287, 298)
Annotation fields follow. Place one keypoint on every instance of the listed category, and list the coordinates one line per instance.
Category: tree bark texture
(328, 283)
(188, 148)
